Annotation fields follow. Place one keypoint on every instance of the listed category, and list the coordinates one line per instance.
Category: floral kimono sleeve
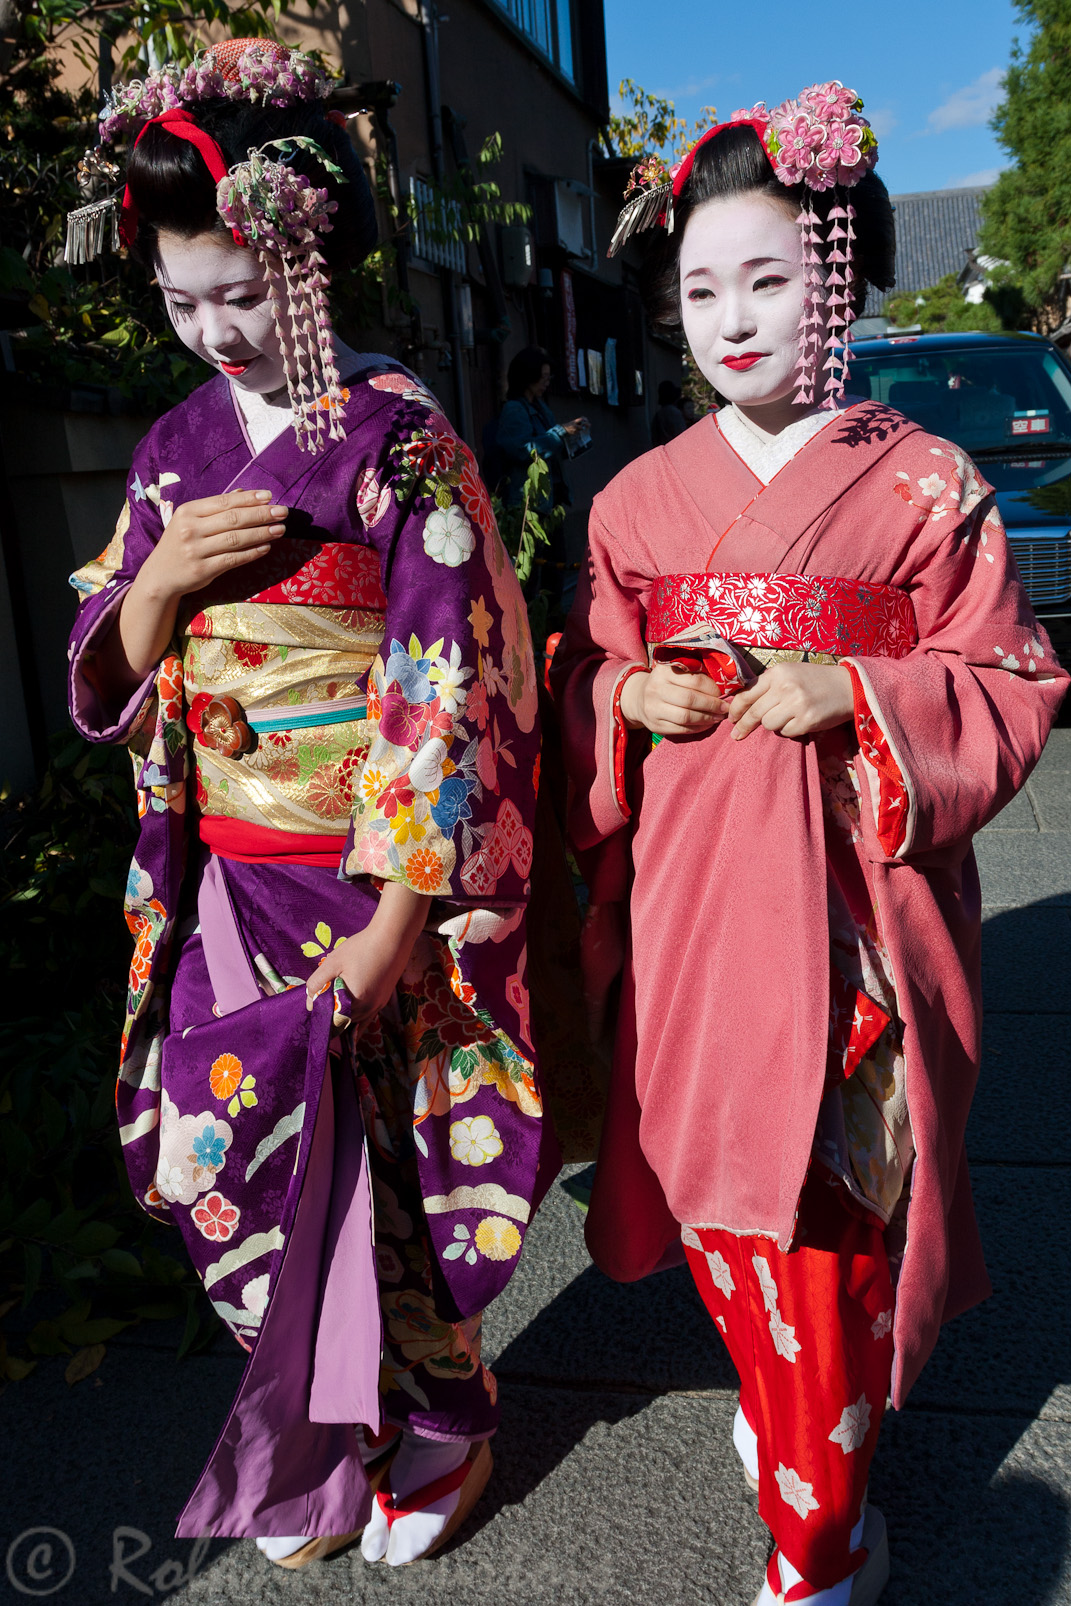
(445, 798)
(949, 733)
(101, 586)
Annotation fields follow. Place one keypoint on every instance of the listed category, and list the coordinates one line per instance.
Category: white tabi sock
(838, 1595)
(279, 1549)
(419, 1461)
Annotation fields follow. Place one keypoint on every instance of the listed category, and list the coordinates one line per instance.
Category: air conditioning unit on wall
(518, 255)
(571, 207)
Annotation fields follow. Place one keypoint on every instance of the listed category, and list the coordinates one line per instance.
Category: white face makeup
(741, 281)
(217, 299)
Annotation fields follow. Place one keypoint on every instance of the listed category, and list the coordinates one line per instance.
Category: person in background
(526, 422)
(669, 420)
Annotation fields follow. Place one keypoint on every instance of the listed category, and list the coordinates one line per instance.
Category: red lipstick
(233, 369)
(746, 359)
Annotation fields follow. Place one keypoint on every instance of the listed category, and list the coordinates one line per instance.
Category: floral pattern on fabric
(792, 612)
(303, 627)
(427, 806)
(864, 1130)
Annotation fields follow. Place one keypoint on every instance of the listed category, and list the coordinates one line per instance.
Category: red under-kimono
(771, 878)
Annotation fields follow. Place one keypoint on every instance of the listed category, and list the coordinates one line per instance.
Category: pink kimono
(773, 883)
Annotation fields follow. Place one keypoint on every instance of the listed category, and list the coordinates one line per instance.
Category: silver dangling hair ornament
(94, 228)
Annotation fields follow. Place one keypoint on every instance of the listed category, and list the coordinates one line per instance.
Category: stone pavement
(615, 1478)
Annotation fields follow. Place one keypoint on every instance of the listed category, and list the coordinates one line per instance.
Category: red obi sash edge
(257, 844)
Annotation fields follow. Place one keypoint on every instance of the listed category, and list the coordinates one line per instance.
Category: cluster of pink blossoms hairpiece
(820, 139)
(283, 216)
(264, 71)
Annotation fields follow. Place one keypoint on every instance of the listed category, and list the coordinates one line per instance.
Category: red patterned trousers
(810, 1333)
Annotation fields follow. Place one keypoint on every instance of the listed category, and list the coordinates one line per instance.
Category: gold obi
(265, 684)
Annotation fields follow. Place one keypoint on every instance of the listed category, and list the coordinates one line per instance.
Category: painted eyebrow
(235, 284)
(751, 264)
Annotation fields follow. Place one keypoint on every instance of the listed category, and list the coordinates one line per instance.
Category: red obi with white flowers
(787, 612)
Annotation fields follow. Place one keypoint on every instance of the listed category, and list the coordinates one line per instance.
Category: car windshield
(982, 397)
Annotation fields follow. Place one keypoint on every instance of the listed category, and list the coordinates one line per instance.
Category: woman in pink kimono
(800, 674)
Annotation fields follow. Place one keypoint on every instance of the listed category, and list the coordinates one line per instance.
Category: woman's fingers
(234, 524)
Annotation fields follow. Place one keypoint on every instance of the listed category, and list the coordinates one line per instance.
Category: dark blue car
(1006, 399)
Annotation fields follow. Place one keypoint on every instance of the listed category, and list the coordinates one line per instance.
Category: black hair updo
(173, 189)
(735, 162)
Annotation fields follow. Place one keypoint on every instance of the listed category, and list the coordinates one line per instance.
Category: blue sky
(929, 71)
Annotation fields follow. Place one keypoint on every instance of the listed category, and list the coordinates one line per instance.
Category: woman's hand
(370, 964)
(206, 538)
(794, 700)
(671, 703)
(575, 425)
(201, 541)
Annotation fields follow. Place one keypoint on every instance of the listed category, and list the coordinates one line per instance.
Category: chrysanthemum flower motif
(720, 1275)
(448, 537)
(794, 1492)
(497, 1239)
(475, 1140)
(784, 1337)
(766, 1282)
(853, 1427)
(881, 1326)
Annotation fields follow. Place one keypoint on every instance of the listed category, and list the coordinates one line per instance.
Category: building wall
(495, 81)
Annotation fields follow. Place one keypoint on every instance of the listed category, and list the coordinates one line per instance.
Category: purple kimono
(357, 706)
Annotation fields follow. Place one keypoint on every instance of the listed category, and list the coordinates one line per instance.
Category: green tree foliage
(79, 1261)
(1027, 214)
(943, 309)
(101, 323)
(648, 125)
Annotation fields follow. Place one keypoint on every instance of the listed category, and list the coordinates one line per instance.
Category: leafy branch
(79, 1262)
(648, 125)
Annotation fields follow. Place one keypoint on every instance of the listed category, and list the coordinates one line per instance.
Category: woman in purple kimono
(308, 633)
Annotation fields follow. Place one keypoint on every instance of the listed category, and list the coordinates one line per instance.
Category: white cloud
(971, 106)
(693, 87)
(973, 181)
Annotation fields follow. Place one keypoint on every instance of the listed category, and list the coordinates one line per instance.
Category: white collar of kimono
(265, 417)
(765, 455)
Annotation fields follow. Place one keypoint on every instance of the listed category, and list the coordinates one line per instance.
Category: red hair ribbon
(680, 176)
(181, 124)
